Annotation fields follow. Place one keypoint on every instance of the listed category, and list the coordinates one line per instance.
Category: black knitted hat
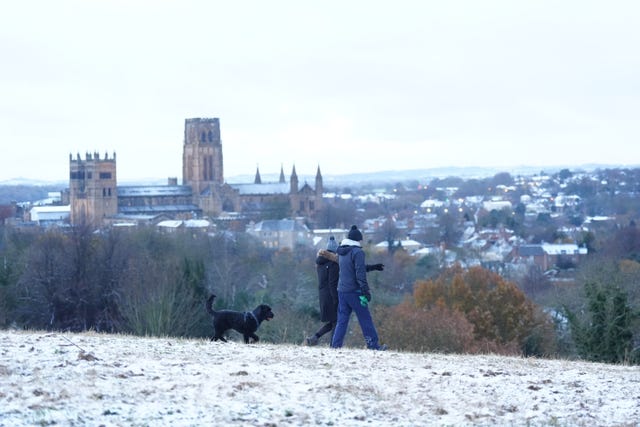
(355, 234)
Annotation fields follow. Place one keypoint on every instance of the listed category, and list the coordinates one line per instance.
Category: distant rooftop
(267, 188)
(279, 225)
(154, 190)
(156, 209)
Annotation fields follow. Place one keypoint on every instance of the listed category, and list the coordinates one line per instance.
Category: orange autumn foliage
(497, 309)
(409, 329)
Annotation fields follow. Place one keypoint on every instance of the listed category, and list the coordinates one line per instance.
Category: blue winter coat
(353, 270)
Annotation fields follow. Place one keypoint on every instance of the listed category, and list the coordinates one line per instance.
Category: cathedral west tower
(93, 194)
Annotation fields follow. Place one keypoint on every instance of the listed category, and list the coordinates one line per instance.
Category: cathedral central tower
(202, 154)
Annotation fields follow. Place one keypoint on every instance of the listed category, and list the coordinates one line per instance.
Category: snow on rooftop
(563, 249)
(430, 203)
(51, 209)
(154, 190)
(170, 223)
(196, 223)
(267, 188)
(405, 243)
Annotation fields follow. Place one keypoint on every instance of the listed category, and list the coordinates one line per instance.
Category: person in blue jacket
(328, 274)
(354, 294)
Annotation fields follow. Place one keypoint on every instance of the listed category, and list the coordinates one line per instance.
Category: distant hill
(27, 192)
(14, 182)
(430, 173)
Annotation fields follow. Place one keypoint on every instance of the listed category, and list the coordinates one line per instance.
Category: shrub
(499, 312)
(440, 329)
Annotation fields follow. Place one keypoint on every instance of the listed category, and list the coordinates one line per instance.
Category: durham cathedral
(96, 199)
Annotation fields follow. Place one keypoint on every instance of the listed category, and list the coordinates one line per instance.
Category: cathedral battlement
(92, 157)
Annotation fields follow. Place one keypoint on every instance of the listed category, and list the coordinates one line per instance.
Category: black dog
(246, 323)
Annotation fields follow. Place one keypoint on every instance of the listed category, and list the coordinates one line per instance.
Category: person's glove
(365, 298)
(371, 267)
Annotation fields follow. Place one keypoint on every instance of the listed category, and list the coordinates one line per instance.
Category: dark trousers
(326, 328)
(350, 302)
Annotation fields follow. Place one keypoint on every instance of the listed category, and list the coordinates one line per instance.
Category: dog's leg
(252, 336)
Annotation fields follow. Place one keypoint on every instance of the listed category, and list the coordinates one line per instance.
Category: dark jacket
(353, 270)
(327, 269)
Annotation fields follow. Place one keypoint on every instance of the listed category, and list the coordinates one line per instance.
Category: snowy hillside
(114, 380)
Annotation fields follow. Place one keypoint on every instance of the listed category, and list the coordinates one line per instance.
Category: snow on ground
(115, 380)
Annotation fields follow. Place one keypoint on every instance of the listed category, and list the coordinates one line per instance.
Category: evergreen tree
(620, 346)
(606, 335)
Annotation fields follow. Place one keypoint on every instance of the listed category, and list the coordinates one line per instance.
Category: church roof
(154, 190)
(266, 188)
(156, 209)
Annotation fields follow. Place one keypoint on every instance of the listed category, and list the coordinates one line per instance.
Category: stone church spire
(319, 189)
(294, 181)
(257, 180)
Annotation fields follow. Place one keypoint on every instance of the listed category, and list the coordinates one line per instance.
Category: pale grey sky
(352, 86)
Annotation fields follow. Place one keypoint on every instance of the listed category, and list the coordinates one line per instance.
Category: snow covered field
(114, 380)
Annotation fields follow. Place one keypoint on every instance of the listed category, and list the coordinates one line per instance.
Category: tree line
(143, 282)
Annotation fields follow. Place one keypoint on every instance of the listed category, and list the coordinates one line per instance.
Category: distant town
(501, 221)
(506, 222)
(566, 240)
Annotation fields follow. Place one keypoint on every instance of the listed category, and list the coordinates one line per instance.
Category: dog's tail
(209, 305)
